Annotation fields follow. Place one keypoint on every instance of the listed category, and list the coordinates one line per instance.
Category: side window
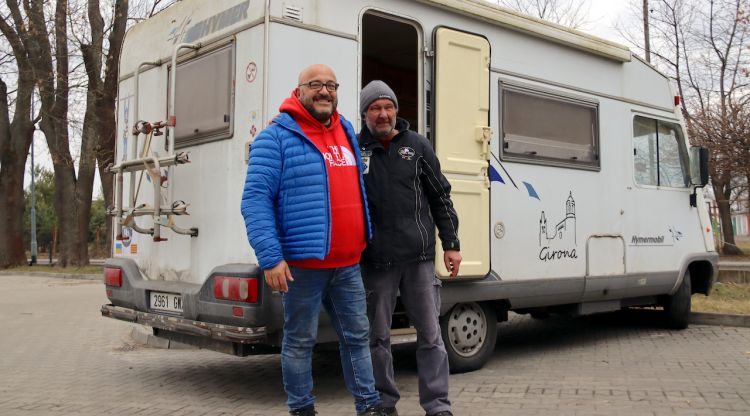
(659, 154)
(547, 128)
(203, 103)
(645, 153)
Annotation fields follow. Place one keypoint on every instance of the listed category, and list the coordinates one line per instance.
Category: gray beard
(378, 135)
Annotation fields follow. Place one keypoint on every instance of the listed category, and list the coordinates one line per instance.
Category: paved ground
(58, 356)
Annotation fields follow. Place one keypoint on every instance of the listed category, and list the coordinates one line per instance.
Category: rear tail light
(112, 277)
(240, 289)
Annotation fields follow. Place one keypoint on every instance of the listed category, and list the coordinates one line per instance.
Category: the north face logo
(339, 156)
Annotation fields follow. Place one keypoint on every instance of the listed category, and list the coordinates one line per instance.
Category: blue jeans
(342, 293)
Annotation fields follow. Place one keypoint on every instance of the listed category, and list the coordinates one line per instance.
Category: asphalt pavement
(58, 356)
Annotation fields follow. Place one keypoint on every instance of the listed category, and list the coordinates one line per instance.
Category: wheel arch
(702, 276)
(501, 307)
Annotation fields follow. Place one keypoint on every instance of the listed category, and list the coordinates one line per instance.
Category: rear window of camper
(203, 103)
(546, 128)
(659, 153)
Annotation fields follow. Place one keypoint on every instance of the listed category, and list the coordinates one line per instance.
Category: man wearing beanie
(306, 217)
(408, 196)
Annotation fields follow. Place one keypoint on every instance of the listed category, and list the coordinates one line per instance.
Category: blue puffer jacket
(285, 202)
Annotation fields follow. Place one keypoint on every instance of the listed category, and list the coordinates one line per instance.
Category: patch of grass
(54, 269)
(725, 298)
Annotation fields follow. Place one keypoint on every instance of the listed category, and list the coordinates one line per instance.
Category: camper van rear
(576, 187)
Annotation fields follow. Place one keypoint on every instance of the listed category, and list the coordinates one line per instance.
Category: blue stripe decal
(495, 175)
(531, 190)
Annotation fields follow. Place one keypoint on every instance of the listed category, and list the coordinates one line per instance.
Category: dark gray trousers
(420, 294)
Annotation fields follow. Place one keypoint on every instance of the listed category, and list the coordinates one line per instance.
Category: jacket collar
(286, 121)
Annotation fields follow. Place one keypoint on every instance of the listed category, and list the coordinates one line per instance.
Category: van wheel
(677, 306)
(469, 332)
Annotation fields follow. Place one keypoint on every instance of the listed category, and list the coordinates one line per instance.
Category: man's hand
(452, 260)
(277, 276)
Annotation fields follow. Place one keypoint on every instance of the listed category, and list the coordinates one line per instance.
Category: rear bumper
(218, 332)
(233, 327)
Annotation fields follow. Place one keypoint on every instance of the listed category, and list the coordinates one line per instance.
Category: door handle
(483, 134)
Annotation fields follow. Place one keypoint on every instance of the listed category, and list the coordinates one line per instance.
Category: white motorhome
(571, 173)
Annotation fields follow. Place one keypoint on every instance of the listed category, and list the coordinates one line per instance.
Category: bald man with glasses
(306, 216)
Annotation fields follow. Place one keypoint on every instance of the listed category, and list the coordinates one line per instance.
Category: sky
(602, 17)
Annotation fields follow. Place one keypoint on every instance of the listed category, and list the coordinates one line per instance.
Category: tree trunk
(725, 218)
(15, 140)
(646, 36)
(53, 251)
(72, 198)
(85, 182)
(106, 124)
(97, 243)
(67, 211)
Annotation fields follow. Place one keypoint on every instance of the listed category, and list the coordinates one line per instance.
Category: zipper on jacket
(327, 191)
(389, 171)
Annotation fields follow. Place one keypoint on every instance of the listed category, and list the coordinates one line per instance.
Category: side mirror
(698, 171)
(699, 166)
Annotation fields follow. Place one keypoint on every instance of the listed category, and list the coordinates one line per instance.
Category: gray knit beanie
(373, 91)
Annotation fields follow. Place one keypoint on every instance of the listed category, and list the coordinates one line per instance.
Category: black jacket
(407, 195)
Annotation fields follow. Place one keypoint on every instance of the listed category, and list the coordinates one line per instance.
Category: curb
(57, 275)
(722, 319)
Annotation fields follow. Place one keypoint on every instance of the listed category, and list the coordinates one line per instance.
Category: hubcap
(467, 329)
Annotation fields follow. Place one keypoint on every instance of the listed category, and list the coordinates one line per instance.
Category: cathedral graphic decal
(558, 240)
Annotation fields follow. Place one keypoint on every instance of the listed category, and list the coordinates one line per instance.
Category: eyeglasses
(317, 85)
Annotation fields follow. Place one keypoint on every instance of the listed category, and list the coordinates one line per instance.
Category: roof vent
(292, 13)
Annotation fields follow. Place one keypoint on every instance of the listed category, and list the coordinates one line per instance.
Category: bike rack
(125, 213)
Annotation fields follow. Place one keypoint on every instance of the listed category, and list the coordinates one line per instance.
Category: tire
(677, 306)
(469, 333)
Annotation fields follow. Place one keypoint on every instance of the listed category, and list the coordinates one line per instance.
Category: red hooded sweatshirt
(345, 195)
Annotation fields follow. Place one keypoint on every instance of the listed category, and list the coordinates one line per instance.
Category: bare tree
(719, 115)
(570, 13)
(702, 44)
(143, 9)
(52, 72)
(646, 36)
(68, 50)
(15, 136)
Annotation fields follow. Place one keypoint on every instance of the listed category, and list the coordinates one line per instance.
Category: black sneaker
(388, 411)
(305, 411)
(372, 411)
(443, 413)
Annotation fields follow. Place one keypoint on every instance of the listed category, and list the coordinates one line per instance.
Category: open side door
(462, 137)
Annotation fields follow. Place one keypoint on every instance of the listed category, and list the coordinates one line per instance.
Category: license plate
(168, 302)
